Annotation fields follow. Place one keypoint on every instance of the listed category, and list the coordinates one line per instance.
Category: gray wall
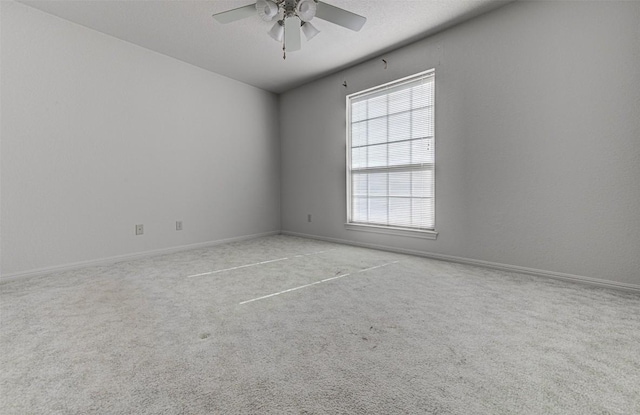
(537, 140)
(99, 135)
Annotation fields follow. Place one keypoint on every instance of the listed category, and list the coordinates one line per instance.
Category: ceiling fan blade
(236, 14)
(292, 34)
(340, 16)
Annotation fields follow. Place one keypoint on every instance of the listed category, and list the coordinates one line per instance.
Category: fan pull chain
(284, 45)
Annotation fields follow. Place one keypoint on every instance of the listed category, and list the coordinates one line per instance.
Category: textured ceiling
(243, 51)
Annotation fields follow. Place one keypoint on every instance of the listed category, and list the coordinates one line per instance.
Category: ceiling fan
(291, 17)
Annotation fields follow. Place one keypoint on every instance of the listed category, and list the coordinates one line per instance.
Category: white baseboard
(128, 257)
(485, 264)
(467, 261)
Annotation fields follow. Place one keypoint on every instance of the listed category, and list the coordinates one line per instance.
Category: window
(391, 157)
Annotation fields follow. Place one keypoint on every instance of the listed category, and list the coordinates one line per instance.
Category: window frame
(378, 228)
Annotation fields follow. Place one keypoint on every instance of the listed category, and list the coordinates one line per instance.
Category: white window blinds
(391, 158)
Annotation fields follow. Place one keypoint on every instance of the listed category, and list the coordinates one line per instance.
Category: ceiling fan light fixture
(306, 10)
(277, 31)
(292, 17)
(309, 30)
(267, 10)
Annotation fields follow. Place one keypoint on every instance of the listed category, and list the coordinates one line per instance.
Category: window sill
(413, 233)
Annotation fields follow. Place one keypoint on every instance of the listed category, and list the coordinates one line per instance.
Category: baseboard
(466, 261)
(484, 264)
(128, 257)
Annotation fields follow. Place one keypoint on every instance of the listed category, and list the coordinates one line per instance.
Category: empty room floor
(288, 325)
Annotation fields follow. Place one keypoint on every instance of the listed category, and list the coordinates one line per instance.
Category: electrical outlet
(309, 217)
(139, 229)
(178, 225)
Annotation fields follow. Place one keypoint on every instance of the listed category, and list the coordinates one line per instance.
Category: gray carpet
(367, 332)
